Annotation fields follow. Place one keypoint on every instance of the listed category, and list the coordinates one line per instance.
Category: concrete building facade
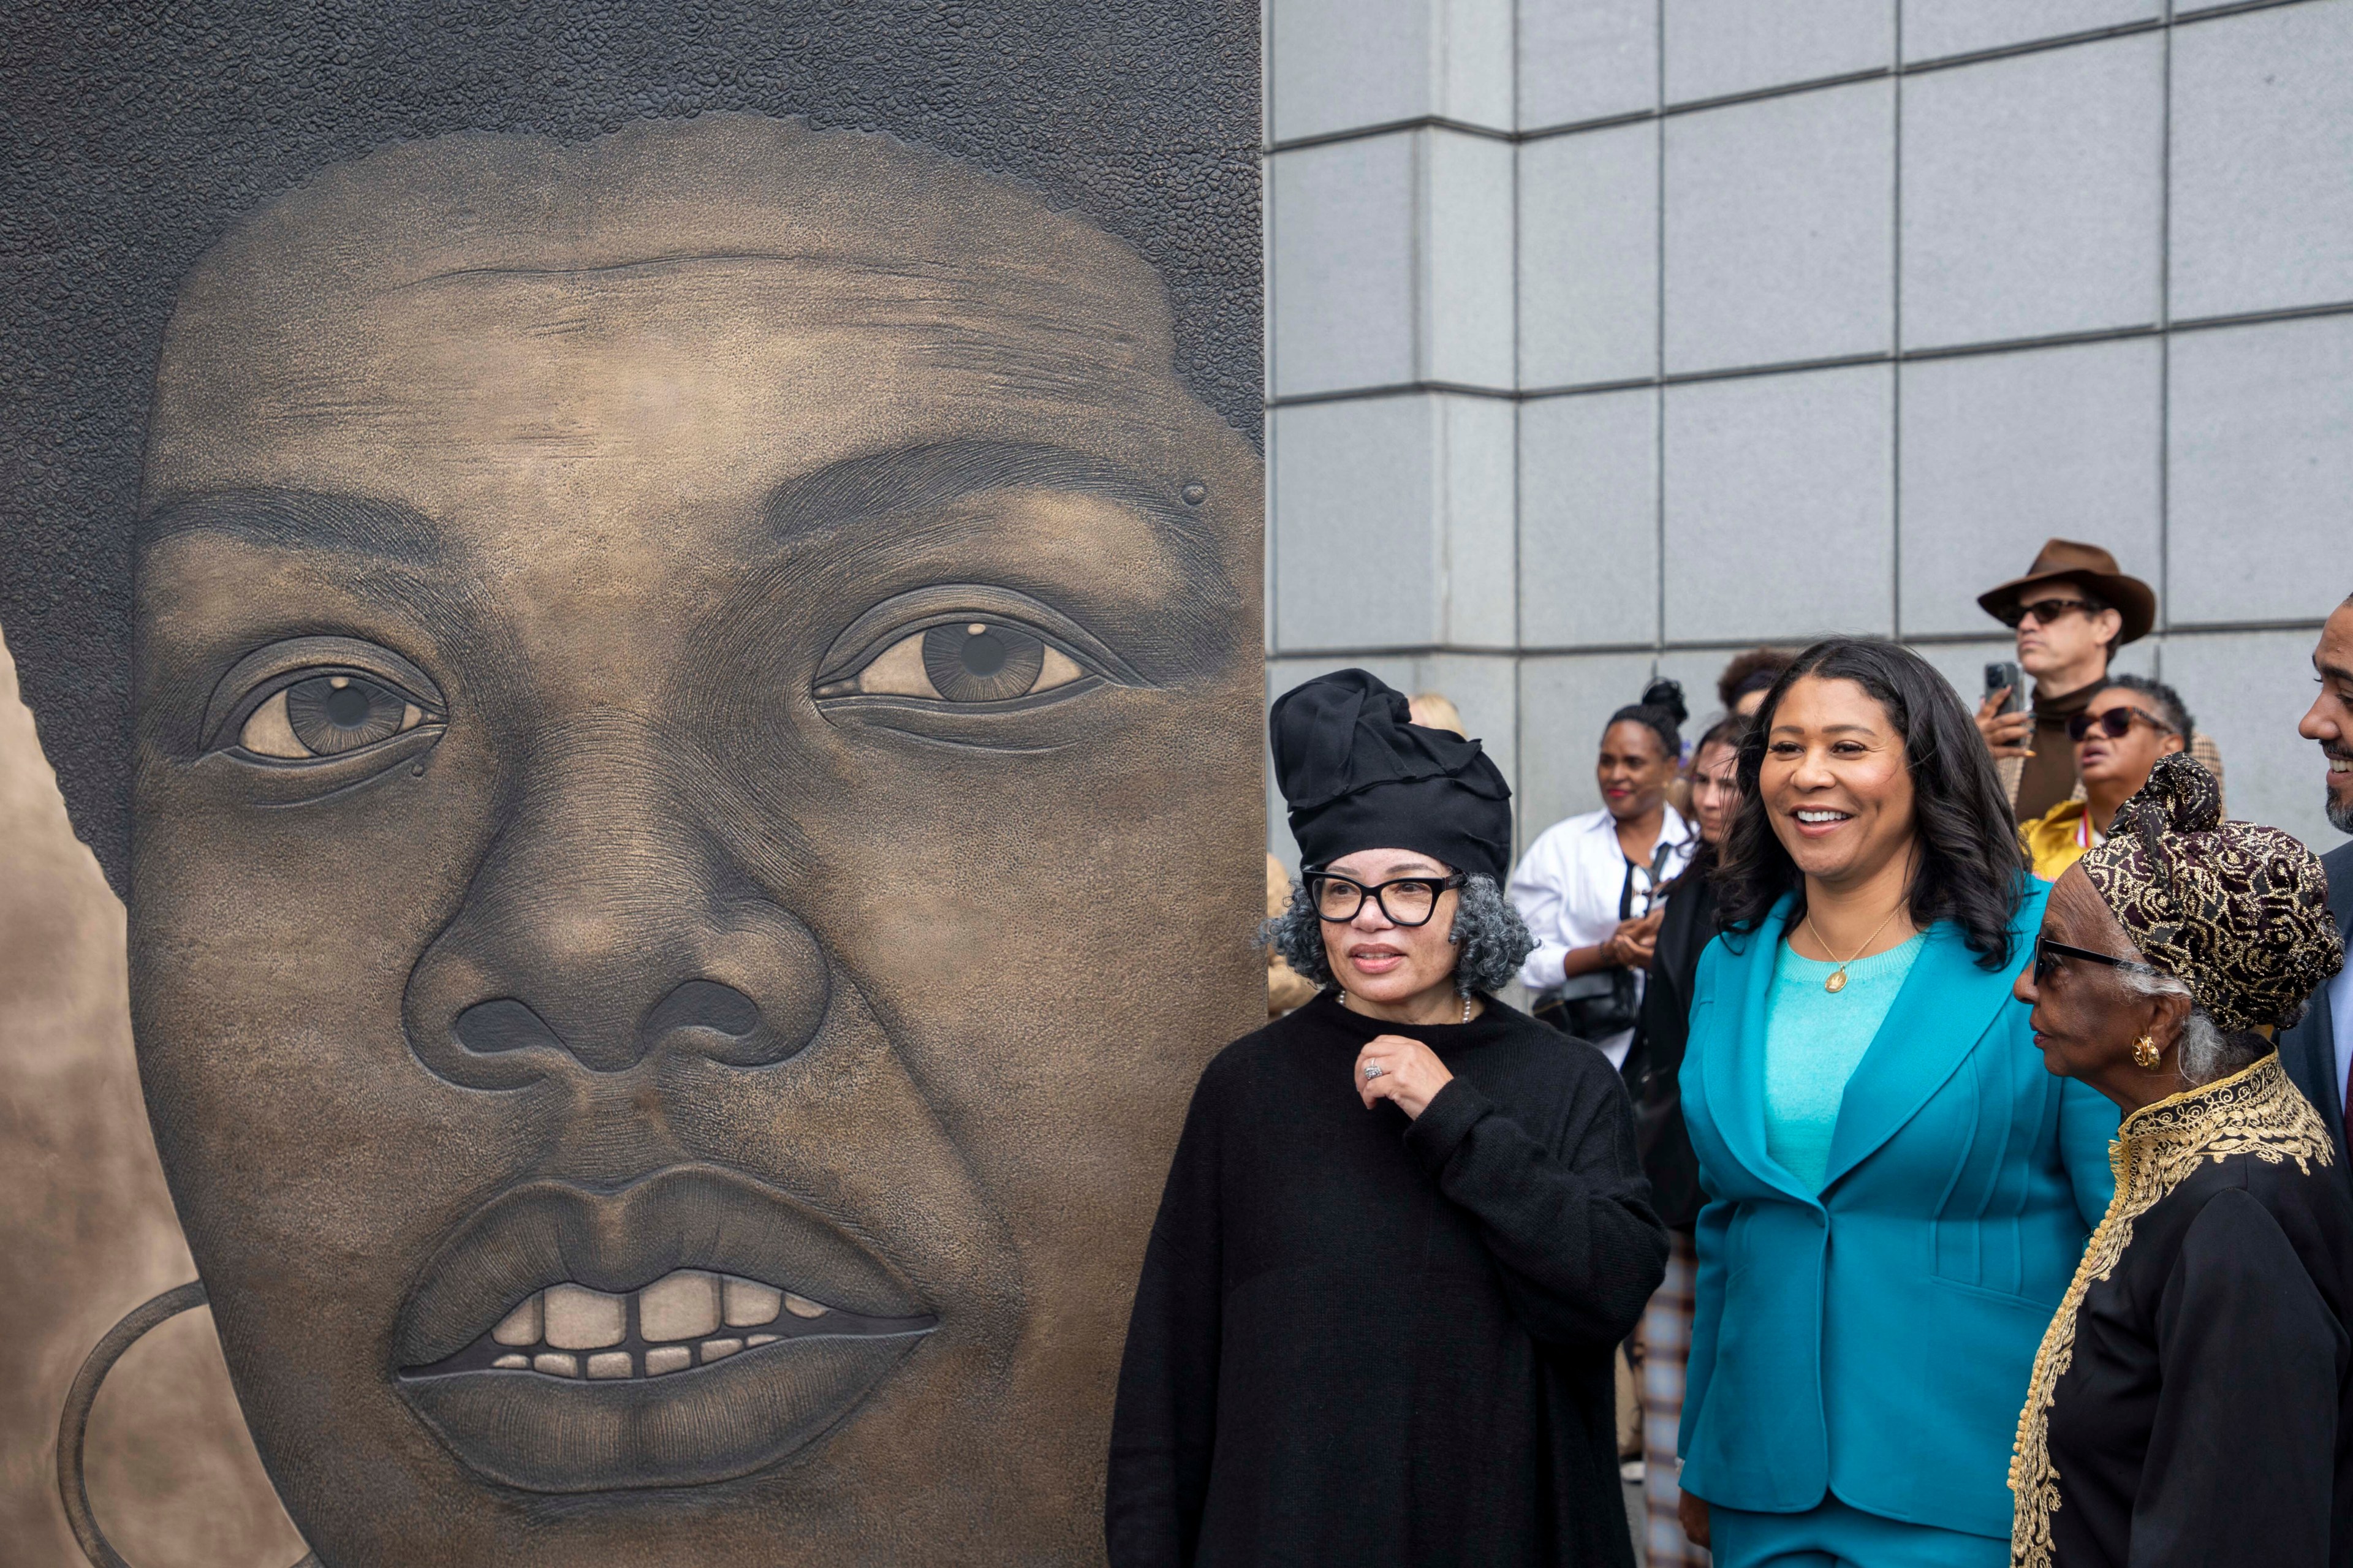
(1608, 337)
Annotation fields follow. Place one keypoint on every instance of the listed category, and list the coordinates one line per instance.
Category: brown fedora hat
(2093, 567)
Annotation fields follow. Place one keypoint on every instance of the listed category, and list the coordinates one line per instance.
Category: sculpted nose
(601, 932)
(730, 1019)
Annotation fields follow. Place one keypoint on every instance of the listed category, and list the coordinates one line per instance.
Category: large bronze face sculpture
(695, 818)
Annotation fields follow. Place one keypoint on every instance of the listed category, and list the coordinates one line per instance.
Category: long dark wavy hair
(1971, 870)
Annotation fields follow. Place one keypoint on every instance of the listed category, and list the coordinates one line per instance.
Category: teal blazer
(1874, 1341)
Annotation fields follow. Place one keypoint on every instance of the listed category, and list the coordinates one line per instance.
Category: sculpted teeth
(680, 1306)
(519, 1326)
(677, 1316)
(750, 1303)
(579, 1318)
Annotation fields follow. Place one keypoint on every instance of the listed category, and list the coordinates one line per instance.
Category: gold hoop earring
(2146, 1055)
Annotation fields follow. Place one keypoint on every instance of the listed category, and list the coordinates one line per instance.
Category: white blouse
(1566, 887)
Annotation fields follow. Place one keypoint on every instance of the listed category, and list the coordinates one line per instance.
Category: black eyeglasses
(2044, 611)
(1407, 901)
(2047, 954)
(2114, 722)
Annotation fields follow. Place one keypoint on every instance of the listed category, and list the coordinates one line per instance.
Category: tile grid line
(1270, 579)
(1894, 346)
(1519, 500)
(1659, 348)
(1784, 90)
(1994, 633)
(1835, 361)
(2165, 346)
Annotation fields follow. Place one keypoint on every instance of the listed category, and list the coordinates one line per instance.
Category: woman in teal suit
(1899, 1193)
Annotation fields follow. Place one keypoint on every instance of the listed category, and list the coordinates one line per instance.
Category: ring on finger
(1373, 1070)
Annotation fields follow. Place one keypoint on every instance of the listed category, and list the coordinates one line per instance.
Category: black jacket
(1661, 1032)
(2308, 1050)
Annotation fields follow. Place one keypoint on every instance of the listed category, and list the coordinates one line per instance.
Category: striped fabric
(1666, 1346)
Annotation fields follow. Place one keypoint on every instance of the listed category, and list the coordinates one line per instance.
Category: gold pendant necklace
(1837, 981)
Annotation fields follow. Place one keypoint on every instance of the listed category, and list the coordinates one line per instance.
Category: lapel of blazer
(1946, 1005)
(2314, 1038)
(1734, 1062)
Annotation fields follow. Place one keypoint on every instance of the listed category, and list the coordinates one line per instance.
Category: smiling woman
(1872, 1133)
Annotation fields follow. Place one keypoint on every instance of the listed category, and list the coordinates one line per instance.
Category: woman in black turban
(2192, 1402)
(1406, 1226)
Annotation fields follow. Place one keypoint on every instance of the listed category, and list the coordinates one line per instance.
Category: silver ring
(1373, 1070)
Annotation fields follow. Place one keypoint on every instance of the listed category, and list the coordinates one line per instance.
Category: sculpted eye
(964, 661)
(969, 650)
(320, 699)
(326, 716)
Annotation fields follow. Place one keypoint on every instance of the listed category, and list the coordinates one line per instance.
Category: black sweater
(1368, 1341)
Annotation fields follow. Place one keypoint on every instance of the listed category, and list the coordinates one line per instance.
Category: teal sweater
(1813, 1039)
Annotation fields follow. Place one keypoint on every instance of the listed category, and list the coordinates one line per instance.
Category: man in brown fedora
(2071, 611)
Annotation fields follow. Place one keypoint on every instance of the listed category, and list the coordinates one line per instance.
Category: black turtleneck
(1359, 1339)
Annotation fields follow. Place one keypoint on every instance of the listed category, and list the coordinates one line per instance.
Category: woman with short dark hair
(2193, 1398)
(1404, 1232)
(1897, 1196)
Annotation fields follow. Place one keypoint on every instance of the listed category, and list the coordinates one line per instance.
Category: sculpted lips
(692, 1327)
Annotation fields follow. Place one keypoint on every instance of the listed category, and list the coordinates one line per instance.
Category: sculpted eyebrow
(927, 477)
(314, 521)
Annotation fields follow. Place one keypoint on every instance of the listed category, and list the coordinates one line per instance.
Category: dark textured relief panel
(137, 135)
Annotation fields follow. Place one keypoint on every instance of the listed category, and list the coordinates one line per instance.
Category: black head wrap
(1358, 775)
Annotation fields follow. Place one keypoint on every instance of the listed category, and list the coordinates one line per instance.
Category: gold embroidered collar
(2259, 1111)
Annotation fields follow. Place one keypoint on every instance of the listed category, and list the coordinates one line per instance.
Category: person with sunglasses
(1404, 1231)
(2071, 613)
(2192, 1400)
(2119, 736)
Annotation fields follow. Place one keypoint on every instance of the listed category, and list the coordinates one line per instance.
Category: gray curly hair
(1491, 939)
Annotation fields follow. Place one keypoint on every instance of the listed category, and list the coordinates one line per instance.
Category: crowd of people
(1926, 1144)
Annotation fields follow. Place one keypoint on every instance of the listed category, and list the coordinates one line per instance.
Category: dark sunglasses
(2047, 954)
(2044, 611)
(2114, 722)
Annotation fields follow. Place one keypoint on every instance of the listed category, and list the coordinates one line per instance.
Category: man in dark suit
(2318, 1051)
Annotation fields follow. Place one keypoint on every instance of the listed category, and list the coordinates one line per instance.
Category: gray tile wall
(1611, 335)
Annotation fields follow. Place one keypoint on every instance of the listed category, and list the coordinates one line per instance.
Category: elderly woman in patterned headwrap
(2194, 1400)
